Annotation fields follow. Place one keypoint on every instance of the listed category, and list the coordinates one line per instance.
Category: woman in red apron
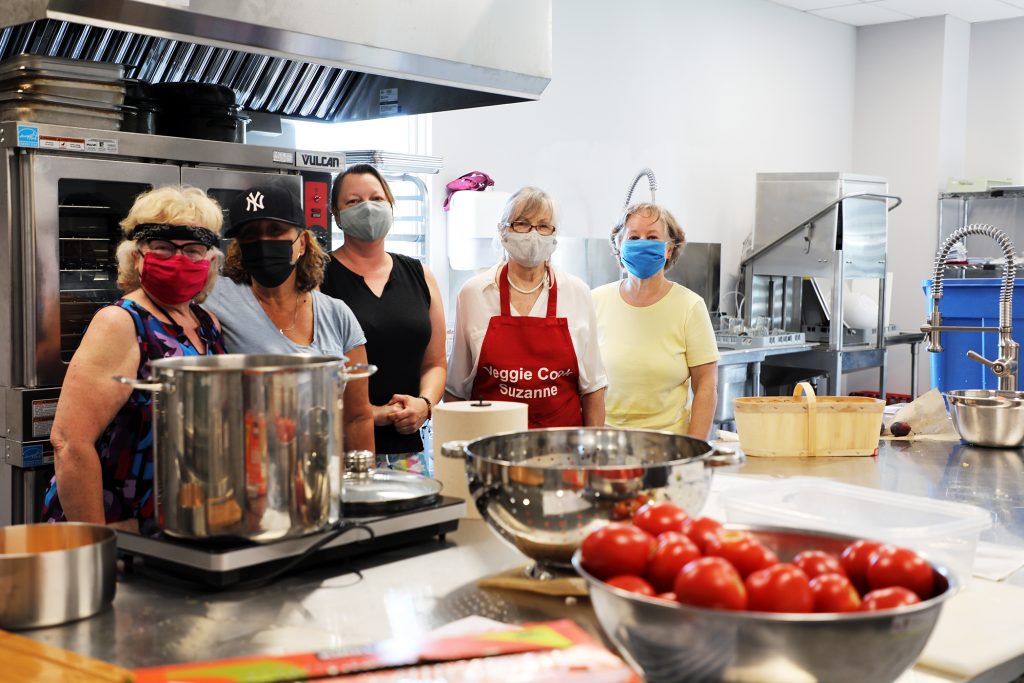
(546, 356)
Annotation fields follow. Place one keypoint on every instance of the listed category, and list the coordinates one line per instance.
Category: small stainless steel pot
(54, 573)
(544, 490)
(989, 418)
(248, 445)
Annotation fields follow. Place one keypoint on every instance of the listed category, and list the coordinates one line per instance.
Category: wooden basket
(808, 425)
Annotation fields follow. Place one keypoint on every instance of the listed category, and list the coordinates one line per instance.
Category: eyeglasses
(526, 226)
(193, 251)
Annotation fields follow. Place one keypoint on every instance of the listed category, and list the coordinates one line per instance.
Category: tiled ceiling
(867, 12)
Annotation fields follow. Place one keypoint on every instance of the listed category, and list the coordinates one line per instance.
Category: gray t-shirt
(247, 329)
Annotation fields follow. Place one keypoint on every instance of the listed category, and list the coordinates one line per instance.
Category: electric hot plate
(227, 562)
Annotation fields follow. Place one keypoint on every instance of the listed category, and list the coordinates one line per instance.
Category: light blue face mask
(643, 258)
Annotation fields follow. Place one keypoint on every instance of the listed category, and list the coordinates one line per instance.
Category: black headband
(166, 231)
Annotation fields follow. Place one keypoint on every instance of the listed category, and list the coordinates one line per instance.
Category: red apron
(530, 360)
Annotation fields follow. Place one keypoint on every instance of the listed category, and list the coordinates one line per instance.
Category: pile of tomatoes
(667, 554)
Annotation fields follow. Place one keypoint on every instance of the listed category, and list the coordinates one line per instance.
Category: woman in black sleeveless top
(398, 304)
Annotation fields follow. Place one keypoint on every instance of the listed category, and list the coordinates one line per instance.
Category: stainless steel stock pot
(247, 446)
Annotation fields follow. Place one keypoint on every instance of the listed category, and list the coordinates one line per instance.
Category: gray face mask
(528, 249)
(366, 221)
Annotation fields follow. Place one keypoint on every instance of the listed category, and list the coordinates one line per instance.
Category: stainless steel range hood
(329, 60)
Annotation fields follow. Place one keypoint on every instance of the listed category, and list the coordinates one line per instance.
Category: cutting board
(28, 661)
(980, 628)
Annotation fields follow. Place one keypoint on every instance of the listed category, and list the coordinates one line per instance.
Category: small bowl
(985, 417)
(673, 642)
(544, 490)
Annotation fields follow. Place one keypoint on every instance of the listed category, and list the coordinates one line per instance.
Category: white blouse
(479, 301)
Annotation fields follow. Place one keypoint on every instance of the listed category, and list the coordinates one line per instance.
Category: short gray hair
(674, 232)
(527, 200)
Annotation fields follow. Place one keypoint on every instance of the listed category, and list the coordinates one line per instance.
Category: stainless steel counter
(414, 590)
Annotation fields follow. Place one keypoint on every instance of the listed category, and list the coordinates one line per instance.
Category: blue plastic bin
(971, 302)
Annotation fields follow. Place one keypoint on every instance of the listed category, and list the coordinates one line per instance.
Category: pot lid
(366, 490)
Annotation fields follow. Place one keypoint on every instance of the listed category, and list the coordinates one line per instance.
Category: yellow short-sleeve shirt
(647, 353)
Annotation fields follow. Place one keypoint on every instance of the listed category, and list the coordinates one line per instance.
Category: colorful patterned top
(126, 445)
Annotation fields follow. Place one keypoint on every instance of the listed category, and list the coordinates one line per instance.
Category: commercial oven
(63, 191)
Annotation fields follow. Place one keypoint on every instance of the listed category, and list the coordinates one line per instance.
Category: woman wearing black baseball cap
(268, 300)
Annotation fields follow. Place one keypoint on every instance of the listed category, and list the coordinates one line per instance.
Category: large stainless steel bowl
(672, 642)
(544, 490)
(54, 573)
(986, 417)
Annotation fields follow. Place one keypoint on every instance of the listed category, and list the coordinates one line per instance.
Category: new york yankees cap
(273, 201)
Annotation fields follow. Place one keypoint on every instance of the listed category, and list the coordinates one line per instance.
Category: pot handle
(357, 371)
(139, 384)
(725, 455)
(454, 449)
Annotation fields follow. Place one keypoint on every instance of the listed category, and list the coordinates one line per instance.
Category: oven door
(224, 184)
(69, 232)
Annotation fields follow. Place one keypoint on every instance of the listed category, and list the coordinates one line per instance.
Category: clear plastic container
(944, 531)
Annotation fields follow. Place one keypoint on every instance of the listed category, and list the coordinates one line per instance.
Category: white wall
(995, 104)
(705, 92)
(910, 127)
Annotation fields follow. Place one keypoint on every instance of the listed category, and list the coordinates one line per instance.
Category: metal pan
(54, 573)
(80, 68)
(92, 92)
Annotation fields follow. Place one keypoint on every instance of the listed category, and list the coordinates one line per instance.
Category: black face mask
(269, 262)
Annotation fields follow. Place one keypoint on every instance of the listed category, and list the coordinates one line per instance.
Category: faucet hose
(1009, 269)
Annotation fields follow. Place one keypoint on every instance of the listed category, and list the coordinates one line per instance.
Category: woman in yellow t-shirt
(655, 336)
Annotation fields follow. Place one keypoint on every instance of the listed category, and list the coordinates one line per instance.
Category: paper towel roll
(469, 420)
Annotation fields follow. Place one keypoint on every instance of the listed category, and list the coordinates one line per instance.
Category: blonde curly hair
(175, 205)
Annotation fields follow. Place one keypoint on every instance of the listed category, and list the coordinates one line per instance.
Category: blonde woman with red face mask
(102, 431)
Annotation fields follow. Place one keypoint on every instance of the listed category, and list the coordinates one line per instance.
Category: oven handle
(139, 384)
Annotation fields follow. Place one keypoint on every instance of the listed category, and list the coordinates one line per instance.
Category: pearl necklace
(542, 283)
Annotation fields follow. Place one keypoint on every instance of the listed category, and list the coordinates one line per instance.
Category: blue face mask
(643, 258)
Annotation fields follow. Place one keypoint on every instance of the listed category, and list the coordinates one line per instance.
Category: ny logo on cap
(254, 201)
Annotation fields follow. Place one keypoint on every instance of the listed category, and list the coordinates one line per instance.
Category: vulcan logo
(322, 161)
(254, 201)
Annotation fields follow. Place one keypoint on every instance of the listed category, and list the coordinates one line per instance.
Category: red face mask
(174, 280)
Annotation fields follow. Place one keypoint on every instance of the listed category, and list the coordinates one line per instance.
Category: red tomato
(625, 509)
(634, 584)
(674, 550)
(615, 549)
(893, 566)
(657, 518)
(698, 529)
(779, 588)
(855, 560)
(741, 549)
(711, 582)
(834, 593)
(818, 562)
(667, 595)
(889, 598)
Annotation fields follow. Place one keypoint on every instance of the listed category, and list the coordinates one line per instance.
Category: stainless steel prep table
(819, 359)
(420, 588)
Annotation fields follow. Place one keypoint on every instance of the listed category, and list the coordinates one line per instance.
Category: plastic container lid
(945, 531)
